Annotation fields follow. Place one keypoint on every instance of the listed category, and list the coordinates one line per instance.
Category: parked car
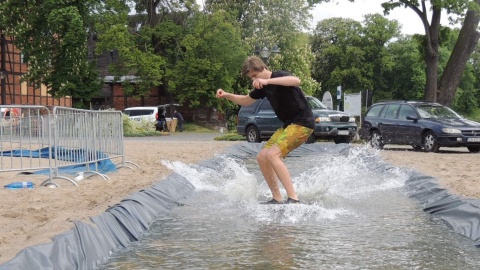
(138, 113)
(160, 115)
(258, 121)
(423, 125)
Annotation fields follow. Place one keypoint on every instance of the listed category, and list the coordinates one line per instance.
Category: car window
(138, 112)
(375, 110)
(406, 110)
(315, 104)
(266, 107)
(391, 111)
(436, 111)
(250, 108)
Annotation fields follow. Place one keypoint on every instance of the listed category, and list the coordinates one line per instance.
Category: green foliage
(406, 79)
(335, 44)
(213, 53)
(475, 66)
(353, 55)
(136, 55)
(297, 58)
(465, 100)
(475, 115)
(280, 22)
(190, 53)
(230, 137)
(133, 128)
(192, 127)
(53, 36)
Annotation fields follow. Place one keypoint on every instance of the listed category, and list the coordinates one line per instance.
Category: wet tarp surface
(86, 246)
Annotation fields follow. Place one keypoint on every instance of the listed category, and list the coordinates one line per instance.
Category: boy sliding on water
(291, 107)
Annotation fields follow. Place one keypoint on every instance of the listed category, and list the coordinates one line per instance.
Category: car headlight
(322, 119)
(351, 120)
(451, 131)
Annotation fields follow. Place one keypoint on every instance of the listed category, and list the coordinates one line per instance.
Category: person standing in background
(179, 117)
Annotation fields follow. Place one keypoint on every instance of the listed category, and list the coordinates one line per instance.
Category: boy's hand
(259, 83)
(221, 93)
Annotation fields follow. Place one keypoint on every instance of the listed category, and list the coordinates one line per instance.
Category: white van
(138, 113)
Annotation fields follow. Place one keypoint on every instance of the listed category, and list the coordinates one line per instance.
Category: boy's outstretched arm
(243, 100)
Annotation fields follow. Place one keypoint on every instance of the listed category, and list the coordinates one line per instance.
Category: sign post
(339, 96)
(327, 100)
(353, 105)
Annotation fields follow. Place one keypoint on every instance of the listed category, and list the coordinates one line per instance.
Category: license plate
(473, 139)
(343, 132)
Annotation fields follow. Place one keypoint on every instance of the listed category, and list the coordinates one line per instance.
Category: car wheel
(417, 147)
(430, 142)
(311, 139)
(253, 135)
(376, 140)
(473, 149)
(342, 140)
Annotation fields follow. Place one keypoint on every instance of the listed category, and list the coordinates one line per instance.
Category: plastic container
(19, 185)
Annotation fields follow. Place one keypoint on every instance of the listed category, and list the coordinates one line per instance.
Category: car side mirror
(409, 117)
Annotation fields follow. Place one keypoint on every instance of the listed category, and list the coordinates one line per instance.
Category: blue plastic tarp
(78, 156)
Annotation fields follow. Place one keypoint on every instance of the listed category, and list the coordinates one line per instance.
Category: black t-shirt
(288, 102)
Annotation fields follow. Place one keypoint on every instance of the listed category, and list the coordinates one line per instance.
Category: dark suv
(423, 125)
(258, 121)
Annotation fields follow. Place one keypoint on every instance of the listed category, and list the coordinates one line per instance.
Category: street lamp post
(265, 52)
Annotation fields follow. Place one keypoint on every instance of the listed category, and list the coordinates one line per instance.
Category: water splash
(325, 183)
(232, 179)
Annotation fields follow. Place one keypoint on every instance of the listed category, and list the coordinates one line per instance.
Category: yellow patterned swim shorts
(289, 138)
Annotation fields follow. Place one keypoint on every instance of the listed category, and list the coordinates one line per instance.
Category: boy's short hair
(253, 63)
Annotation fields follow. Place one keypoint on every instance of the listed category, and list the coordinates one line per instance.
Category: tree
(353, 55)
(173, 46)
(336, 44)
(140, 43)
(406, 79)
(280, 22)
(213, 52)
(53, 36)
(442, 90)
(465, 45)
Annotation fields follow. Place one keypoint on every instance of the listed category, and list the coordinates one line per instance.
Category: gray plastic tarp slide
(86, 246)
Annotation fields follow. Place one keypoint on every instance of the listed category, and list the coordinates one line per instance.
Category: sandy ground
(455, 168)
(33, 216)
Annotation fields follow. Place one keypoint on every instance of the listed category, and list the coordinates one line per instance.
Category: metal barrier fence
(34, 139)
(24, 132)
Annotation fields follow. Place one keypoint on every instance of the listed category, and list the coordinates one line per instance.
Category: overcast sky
(409, 20)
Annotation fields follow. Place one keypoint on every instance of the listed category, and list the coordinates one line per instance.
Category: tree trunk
(465, 45)
(431, 59)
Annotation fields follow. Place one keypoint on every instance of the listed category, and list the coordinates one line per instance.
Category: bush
(230, 137)
(141, 128)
